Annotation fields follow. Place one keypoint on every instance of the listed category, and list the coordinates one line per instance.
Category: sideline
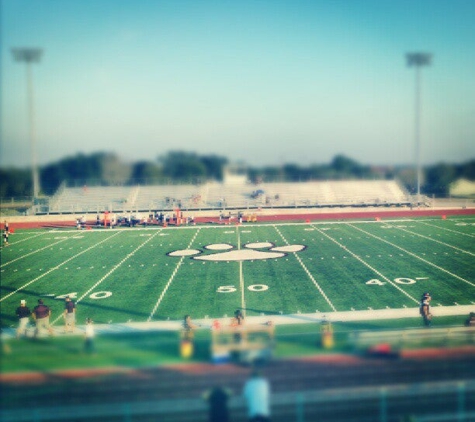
(317, 318)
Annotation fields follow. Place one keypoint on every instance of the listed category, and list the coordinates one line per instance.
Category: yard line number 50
(252, 288)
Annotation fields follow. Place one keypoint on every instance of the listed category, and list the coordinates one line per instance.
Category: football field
(159, 274)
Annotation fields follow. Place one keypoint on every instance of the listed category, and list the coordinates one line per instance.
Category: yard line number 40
(400, 280)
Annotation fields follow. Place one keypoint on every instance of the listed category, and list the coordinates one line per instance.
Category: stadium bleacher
(214, 195)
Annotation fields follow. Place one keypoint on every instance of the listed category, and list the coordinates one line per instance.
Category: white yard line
(57, 267)
(369, 266)
(413, 255)
(32, 253)
(27, 238)
(446, 229)
(114, 268)
(170, 280)
(308, 272)
(435, 240)
(241, 275)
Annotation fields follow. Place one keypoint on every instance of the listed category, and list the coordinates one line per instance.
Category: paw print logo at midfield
(249, 252)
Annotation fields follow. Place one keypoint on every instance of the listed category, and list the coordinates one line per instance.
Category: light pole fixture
(30, 56)
(418, 60)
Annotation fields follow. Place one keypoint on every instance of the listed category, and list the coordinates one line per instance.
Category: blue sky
(263, 81)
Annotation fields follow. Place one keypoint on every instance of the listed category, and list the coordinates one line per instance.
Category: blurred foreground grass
(156, 348)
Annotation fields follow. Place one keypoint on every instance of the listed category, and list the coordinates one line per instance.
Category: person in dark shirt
(69, 315)
(23, 314)
(41, 314)
(217, 399)
(424, 309)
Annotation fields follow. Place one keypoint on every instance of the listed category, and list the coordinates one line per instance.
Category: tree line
(104, 168)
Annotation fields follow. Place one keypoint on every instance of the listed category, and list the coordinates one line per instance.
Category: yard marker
(372, 268)
(415, 256)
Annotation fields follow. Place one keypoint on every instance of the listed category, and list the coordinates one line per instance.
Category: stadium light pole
(418, 60)
(30, 56)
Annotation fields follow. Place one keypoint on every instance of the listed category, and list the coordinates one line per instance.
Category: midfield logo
(249, 252)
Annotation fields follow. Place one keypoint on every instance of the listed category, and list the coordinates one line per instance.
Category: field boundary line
(446, 229)
(435, 240)
(28, 238)
(368, 266)
(287, 319)
(241, 274)
(57, 267)
(308, 272)
(32, 253)
(172, 277)
(414, 255)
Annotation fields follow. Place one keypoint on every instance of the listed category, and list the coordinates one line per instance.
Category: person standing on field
(23, 313)
(41, 314)
(69, 315)
(89, 335)
(424, 309)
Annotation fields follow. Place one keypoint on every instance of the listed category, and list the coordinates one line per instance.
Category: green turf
(127, 275)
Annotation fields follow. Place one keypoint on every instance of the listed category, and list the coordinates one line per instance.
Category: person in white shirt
(257, 395)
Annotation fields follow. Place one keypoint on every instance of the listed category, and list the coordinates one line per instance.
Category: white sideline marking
(371, 267)
(31, 253)
(317, 318)
(57, 267)
(162, 295)
(27, 238)
(414, 255)
(307, 271)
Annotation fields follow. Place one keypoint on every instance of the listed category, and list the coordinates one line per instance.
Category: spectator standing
(23, 313)
(424, 309)
(237, 322)
(186, 344)
(257, 395)
(217, 399)
(69, 315)
(5, 237)
(89, 335)
(41, 314)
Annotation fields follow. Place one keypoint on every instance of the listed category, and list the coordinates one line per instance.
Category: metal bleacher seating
(215, 195)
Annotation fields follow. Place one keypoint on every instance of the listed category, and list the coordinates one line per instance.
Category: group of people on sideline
(41, 315)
